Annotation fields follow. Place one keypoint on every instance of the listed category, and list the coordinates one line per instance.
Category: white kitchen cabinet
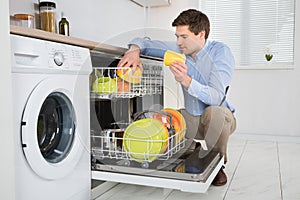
(152, 3)
(7, 169)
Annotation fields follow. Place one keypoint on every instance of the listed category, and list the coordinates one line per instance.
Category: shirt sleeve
(154, 48)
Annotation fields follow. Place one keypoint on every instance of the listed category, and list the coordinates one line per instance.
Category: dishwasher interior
(124, 104)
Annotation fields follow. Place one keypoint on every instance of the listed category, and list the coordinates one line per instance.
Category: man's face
(188, 42)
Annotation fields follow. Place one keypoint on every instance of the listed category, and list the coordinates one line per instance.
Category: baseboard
(265, 137)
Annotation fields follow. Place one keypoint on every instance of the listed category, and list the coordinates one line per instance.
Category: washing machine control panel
(61, 56)
(41, 56)
(67, 57)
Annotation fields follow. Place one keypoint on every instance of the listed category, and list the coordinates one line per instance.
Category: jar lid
(23, 16)
(47, 3)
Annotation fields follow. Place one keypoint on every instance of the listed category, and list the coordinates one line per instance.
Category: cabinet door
(173, 97)
(152, 3)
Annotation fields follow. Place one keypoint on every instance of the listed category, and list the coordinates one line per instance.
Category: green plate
(145, 139)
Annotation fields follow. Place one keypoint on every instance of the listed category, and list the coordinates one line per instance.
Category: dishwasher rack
(151, 82)
(109, 144)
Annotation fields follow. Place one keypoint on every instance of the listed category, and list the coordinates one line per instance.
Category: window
(253, 29)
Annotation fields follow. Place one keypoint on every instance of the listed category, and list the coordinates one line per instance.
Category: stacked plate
(145, 139)
(178, 123)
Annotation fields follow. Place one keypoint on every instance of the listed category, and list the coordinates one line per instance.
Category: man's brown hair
(196, 20)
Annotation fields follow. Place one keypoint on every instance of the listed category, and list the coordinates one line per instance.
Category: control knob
(58, 58)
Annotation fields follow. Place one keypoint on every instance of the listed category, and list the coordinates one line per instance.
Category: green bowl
(105, 85)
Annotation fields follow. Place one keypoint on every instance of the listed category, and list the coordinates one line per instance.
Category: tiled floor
(259, 167)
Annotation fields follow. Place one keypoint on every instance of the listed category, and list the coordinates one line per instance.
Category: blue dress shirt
(211, 72)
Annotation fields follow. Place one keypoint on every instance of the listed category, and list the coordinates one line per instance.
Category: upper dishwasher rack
(106, 84)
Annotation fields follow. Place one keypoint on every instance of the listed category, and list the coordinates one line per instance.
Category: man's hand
(179, 71)
(131, 58)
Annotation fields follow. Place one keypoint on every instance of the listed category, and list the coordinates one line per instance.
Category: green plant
(268, 56)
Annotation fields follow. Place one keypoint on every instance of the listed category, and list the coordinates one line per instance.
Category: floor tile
(135, 192)
(289, 160)
(257, 176)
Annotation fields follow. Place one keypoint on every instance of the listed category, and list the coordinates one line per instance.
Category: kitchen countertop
(40, 34)
(92, 45)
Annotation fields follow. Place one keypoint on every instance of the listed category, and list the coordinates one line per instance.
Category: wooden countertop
(40, 34)
(92, 45)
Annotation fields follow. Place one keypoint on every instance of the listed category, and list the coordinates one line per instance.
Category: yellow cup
(171, 56)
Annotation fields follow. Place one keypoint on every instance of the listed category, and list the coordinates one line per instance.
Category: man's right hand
(179, 70)
(131, 58)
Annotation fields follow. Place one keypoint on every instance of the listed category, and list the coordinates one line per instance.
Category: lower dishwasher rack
(184, 170)
(108, 147)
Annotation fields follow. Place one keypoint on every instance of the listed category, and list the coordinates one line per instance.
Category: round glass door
(52, 138)
(56, 127)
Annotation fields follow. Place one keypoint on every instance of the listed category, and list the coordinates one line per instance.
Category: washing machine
(50, 84)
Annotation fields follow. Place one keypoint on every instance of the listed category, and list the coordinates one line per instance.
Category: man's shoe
(220, 179)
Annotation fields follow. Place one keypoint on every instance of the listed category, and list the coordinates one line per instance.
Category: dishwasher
(116, 105)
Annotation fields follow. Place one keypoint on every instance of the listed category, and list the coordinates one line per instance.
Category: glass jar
(25, 20)
(47, 16)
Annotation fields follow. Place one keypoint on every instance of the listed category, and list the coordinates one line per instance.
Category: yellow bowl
(145, 139)
(105, 85)
(130, 76)
(172, 56)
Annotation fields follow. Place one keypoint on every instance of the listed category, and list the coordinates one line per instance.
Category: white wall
(6, 137)
(97, 20)
(266, 100)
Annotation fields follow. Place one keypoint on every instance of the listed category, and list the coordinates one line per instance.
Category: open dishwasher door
(183, 171)
(179, 166)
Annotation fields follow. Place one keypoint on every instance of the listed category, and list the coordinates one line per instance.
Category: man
(204, 78)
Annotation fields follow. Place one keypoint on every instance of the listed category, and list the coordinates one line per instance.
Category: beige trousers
(214, 126)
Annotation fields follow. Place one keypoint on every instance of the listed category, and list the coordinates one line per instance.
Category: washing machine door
(50, 140)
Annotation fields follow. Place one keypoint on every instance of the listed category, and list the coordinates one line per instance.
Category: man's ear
(202, 34)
